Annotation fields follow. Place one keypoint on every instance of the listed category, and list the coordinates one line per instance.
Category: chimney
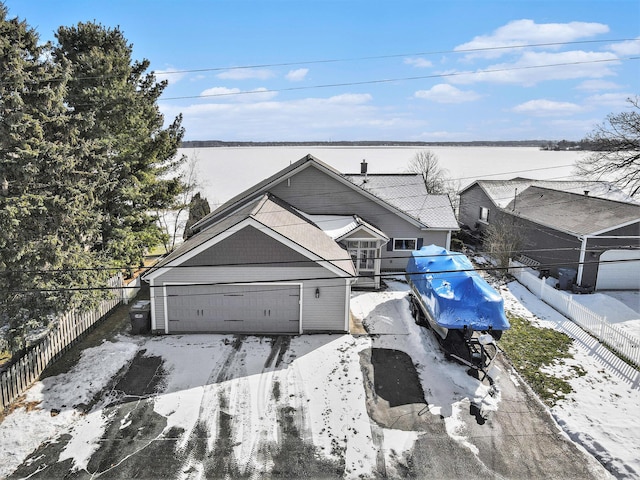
(363, 167)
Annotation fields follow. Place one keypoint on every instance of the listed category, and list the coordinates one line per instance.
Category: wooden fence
(618, 340)
(66, 331)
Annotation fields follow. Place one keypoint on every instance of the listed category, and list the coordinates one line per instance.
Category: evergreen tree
(45, 202)
(131, 153)
(198, 209)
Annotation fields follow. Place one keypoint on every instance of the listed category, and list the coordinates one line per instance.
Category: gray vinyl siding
(314, 192)
(553, 249)
(324, 314)
(360, 235)
(556, 249)
(469, 209)
(248, 247)
(393, 261)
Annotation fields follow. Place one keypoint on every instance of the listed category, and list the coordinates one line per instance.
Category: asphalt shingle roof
(279, 217)
(570, 212)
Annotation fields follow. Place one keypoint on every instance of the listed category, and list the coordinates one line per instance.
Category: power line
(343, 60)
(395, 55)
(400, 79)
(301, 279)
(265, 263)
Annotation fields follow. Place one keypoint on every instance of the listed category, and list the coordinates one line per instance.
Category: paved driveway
(321, 406)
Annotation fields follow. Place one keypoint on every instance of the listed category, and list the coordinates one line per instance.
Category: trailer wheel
(496, 334)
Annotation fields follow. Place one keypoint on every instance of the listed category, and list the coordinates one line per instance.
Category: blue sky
(375, 70)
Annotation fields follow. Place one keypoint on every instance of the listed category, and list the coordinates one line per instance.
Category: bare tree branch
(616, 150)
(426, 163)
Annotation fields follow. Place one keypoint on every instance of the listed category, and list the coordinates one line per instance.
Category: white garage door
(256, 308)
(623, 273)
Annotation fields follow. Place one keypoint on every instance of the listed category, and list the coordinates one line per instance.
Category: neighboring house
(282, 256)
(589, 229)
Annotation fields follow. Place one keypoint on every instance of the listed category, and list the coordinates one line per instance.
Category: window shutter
(419, 244)
(390, 245)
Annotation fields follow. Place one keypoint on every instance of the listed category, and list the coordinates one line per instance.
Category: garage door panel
(618, 270)
(260, 308)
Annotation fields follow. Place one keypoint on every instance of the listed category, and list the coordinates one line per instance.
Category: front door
(366, 258)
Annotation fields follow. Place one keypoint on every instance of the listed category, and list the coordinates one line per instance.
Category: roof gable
(402, 194)
(272, 217)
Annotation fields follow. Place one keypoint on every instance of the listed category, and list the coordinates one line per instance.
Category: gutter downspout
(152, 297)
(583, 251)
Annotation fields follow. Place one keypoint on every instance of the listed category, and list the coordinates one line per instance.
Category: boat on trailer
(465, 313)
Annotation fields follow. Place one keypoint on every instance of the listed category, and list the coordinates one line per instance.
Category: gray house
(282, 256)
(588, 228)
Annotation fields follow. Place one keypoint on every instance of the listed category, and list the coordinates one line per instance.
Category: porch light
(317, 293)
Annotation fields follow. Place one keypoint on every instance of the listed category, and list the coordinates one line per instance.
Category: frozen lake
(226, 171)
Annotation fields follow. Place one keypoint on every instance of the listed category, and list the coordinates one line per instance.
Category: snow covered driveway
(330, 406)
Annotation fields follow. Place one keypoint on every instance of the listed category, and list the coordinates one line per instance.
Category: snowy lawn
(602, 413)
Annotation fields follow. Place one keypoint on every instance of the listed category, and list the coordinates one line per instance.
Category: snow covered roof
(502, 192)
(337, 226)
(407, 192)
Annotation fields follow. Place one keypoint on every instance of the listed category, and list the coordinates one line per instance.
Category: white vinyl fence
(621, 342)
(67, 329)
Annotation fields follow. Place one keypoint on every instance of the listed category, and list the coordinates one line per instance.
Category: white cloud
(534, 67)
(350, 99)
(594, 85)
(527, 32)
(219, 92)
(544, 108)
(246, 74)
(237, 95)
(444, 93)
(297, 75)
(170, 74)
(418, 62)
(629, 47)
(610, 99)
(343, 116)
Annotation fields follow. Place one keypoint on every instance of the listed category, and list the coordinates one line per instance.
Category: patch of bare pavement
(518, 441)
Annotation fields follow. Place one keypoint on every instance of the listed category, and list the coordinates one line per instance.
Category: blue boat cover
(454, 293)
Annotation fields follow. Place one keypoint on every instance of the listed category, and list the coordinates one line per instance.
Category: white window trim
(482, 220)
(415, 241)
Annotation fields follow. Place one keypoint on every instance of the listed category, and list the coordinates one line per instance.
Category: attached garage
(265, 269)
(265, 308)
(619, 270)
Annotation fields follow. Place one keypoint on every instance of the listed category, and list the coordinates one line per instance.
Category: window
(363, 253)
(405, 244)
(484, 215)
